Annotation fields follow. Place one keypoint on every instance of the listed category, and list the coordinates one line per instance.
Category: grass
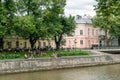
(47, 54)
(12, 55)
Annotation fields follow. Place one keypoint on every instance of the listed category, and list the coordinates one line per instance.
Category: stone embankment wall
(12, 66)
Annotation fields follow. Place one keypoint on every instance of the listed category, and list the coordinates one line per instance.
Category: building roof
(83, 20)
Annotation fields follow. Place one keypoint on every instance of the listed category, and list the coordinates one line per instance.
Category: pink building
(85, 35)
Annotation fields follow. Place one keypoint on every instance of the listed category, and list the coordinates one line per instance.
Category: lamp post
(75, 43)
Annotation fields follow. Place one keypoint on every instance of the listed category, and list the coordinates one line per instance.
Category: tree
(107, 18)
(68, 27)
(29, 22)
(59, 25)
(2, 21)
(52, 18)
(40, 15)
(7, 14)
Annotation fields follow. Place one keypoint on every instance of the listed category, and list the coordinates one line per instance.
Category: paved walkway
(98, 52)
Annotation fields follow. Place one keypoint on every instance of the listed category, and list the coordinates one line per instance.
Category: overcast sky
(80, 7)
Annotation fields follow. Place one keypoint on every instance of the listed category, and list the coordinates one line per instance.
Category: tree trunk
(1, 43)
(57, 45)
(108, 39)
(32, 42)
(105, 37)
(57, 41)
(109, 42)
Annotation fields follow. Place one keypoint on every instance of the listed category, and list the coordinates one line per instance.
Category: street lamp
(75, 43)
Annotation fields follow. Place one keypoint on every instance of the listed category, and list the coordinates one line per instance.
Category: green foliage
(12, 55)
(108, 17)
(2, 31)
(29, 23)
(20, 55)
(74, 53)
(63, 53)
(68, 27)
(35, 19)
(24, 26)
(7, 15)
(63, 41)
(68, 24)
(9, 56)
(51, 16)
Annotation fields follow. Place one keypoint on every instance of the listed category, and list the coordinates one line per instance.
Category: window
(9, 44)
(25, 44)
(44, 44)
(88, 32)
(49, 43)
(39, 44)
(97, 31)
(69, 43)
(81, 32)
(17, 44)
(93, 32)
(81, 42)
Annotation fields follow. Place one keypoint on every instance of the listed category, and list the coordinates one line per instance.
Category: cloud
(80, 7)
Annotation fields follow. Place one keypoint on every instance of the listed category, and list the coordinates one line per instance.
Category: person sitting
(54, 55)
(26, 56)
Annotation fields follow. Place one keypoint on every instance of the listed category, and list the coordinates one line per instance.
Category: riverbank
(13, 66)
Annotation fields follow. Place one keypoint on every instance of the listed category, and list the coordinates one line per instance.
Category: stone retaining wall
(12, 66)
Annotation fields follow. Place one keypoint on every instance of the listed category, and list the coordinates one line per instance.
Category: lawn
(46, 54)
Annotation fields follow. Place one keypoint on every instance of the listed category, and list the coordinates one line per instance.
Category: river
(107, 72)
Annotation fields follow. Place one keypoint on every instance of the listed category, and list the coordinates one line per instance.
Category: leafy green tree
(7, 14)
(2, 22)
(59, 25)
(107, 18)
(54, 9)
(29, 23)
(68, 27)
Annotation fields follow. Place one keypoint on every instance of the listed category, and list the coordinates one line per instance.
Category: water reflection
(108, 72)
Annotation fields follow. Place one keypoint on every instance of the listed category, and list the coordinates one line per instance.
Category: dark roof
(83, 20)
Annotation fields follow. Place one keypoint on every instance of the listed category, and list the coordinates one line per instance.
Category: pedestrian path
(115, 57)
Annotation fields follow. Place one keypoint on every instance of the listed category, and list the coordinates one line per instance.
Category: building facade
(84, 36)
(12, 43)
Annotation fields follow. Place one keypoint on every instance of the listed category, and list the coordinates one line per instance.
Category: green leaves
(108, 17)
(7, 14)
(24, 26)
(33, 19)
(68, 24)
(2, 31)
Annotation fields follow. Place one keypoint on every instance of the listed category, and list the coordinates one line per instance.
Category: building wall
(22, 43)
(82, 40)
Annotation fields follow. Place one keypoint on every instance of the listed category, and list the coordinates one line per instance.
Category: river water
(107, 72)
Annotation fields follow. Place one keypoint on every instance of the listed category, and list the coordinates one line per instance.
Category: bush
(9, 55)
(73, 53)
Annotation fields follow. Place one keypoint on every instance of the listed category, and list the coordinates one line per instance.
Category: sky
(80, 7)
